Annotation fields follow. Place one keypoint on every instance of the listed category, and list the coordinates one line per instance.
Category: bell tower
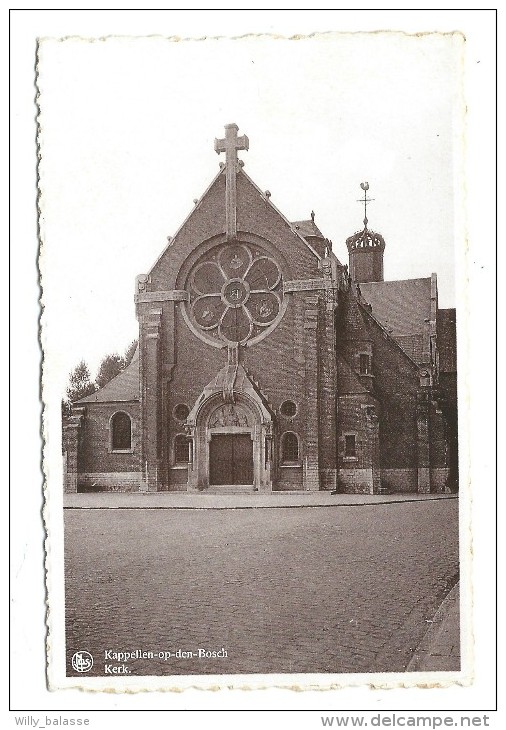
(365, 249)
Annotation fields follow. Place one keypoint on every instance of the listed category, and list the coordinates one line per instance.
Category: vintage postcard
(251, 259)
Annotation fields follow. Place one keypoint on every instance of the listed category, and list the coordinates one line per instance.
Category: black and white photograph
(255, 291)
(255, 302)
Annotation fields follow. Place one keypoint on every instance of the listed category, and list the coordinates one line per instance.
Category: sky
(127, 127)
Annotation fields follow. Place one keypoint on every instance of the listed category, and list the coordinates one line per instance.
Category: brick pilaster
(372, 428)
(71, 441)
(150, 399)
(311, 430)
(166, 404)
(422, 427)
(327, 381)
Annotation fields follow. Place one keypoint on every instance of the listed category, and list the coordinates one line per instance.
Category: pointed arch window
(121, 432)
(289, 448)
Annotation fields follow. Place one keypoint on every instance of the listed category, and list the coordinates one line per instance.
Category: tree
(129, 353)
(80, 384)
(113, 364)
(110, 366)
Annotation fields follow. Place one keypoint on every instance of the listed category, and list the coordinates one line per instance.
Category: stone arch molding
(244, 411)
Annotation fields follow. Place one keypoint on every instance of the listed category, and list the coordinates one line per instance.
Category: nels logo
(82, 661)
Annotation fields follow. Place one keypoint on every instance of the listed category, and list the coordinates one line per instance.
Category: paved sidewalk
(183, 500)
(439, 650)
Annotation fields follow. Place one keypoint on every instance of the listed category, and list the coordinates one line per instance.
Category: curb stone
(439, 650)
(178, 501)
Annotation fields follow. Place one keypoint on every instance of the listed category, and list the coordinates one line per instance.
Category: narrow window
(290, 447)
(181, 449)
(121, 432)
(350, 447)
(365, 364)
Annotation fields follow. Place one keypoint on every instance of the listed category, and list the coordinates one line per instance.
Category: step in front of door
(229, 489)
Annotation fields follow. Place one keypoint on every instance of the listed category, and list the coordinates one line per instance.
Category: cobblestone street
(318, 589)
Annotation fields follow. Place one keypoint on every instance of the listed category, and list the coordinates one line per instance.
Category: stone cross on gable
(229, 145)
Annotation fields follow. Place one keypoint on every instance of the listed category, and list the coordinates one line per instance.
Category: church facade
(264, 364)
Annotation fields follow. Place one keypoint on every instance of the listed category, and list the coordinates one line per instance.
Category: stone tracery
(235, 294)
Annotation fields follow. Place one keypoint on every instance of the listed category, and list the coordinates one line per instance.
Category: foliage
(80, 383)
(129, 353)
(110, 366)
(113, 364)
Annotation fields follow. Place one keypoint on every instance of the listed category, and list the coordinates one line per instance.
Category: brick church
(265, 364)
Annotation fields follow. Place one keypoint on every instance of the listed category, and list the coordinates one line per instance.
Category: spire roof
(366, 238)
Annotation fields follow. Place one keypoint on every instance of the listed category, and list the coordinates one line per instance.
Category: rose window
(235, 295)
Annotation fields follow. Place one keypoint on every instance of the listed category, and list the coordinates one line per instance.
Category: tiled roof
(307, 228)
(412, 346)
(124, 387)
(404, 309)
(447, 340)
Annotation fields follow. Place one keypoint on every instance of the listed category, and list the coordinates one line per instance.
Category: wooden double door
(231, 459)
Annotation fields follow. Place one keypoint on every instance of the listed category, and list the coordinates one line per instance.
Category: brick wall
(327, 382)
(357, 480)
(122, 481)
(366, 264)
(96, 454)
(285, 364)
(439, 456)
(396, 384)
(439, 480)
(290, 478)
(277, 363)
(410, 434)
(400, 480)
(413, 433)
(99, 466)
(283, 367)
(448, 387)
(356, 473)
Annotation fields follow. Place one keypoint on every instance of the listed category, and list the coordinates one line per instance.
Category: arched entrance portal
(231, 441)
(231, 444)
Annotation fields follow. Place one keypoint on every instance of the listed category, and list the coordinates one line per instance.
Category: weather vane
(365, 200)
